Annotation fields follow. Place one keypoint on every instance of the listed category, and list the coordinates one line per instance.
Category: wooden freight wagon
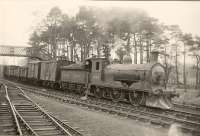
(23, 72)
(13, 71)
(6, 71)
(1, 71)
(10, 71)
(34, 71)
(16, 72)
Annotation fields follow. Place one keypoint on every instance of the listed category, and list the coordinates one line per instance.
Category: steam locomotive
(138, 84)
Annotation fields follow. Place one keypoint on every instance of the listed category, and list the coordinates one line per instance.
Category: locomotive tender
(138, 84)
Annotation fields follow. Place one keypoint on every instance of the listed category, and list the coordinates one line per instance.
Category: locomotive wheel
(82, 91)
(51, 85)
(56, 86)
(106, 93)
(98, 93)
(116, 95)
(136, 98)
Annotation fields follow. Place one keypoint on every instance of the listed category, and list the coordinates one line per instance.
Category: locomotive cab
(96, 67)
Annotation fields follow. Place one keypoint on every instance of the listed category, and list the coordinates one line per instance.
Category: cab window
(97, 65)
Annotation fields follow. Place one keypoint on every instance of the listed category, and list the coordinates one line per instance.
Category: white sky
(18, 17)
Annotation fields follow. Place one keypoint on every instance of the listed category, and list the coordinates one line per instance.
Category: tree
(152, 31)
(87, 30)
(105, 42)
(187, 40)
(34, 41)
(65, 33)
(136, 28)
(51, 27)
(47, 36)
(37, 50)
(162, 43)
(175, 38)
(195, 49)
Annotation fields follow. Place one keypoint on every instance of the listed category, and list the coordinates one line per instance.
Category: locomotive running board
(159, 102)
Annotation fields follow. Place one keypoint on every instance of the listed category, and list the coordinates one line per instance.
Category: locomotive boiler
(145, 83)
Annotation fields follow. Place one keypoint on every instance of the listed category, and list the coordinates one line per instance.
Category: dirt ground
(97, 123)
(190, 96)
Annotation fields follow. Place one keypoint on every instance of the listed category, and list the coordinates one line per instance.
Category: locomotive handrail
(45, 113)
(13, 111)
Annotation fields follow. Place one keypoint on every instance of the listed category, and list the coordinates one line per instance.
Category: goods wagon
(34, 71)
(50, 72)
(23, 72)
(6, 72)
(16, 72)
(1, 71)
(13, 71)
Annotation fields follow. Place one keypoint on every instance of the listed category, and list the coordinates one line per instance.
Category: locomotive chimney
(154, 56)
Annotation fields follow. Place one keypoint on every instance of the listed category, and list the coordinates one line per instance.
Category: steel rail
(21, 118)
(171, 110)
(178, 111)
(184, 105)
(67, 126)
(121, 113)
(25, 123)
(13, 111)
(45, 113)
(185, 122)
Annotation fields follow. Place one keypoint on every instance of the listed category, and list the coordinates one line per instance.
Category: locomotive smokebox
(154, 57)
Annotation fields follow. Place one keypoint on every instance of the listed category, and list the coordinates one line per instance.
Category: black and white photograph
(99, 68)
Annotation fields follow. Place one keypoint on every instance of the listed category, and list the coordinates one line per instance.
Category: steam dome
(127, 59)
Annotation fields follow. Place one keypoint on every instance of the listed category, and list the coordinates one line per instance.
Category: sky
(18, 18)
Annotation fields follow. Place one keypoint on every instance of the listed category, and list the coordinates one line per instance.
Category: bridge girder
(17, 51)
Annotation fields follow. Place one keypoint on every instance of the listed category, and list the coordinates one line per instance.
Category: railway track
(9, 123)
(32, 119)
(187, 120)
(187, 106)
(182, 107)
